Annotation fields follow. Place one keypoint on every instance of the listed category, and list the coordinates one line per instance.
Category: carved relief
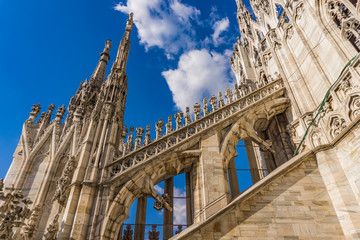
(52, 229)
(336, 126)
(299, 10)
(63, 183)
(289, 32)
(316, 138)
(354, 106)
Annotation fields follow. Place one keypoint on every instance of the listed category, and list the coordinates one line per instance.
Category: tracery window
(342, 17)
(338, 12)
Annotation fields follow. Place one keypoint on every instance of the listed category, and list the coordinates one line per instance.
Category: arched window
(149, 220)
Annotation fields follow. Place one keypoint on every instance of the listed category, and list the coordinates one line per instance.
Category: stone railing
(183, 133)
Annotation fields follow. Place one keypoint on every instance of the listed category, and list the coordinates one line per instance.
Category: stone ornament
(229, 95)
(213, 103)
(34, 112)
(153, 234)
(205, 107)
(178, 120)
(174, 137)
(147, 136)
(159, 128)
(14, 211)
(169, 126)
(139, 136)
(187, 116)
(63, 183)
(128, 233)
(337, 125)
(52, 229)
(197, 111)
(354, 106)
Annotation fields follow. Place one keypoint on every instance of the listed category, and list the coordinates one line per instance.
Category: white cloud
(179, 206)
(219, 27)
(199, 74)
(164, 25)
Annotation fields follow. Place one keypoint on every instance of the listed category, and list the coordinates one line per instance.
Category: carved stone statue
(197, 110)
(205, 107)
(178, 121)
(237, 91)
(229, 95)
(213, 103)
(129, 143)
(122, 144)
(30, 227)
(139, 136)
(159, 128)
(187, 116)
(52, 229)
(147, 136)
(169, 127)
(221, 100)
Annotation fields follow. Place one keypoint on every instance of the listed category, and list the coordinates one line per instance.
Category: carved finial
(221, 100)
(213, 103)
(229, 95)
(153, 234)
(34, 112)
(159, 128)
(42, 117)
(107, 46)
(169, 126)
(147, 136)
(178, 116)
(205, 107)
(128, 233)
(60, 113)
(179, 230)
(197, 110)
(129, 22)
(139, 136)
(187, 116)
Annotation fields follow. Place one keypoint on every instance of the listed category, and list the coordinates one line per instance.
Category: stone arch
(141, 184)
(245, 127)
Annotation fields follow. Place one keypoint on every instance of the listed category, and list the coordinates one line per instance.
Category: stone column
(140, 218)
(189, 200)
(211, 188)
(168, 215)
(254, 164)
(233, 179)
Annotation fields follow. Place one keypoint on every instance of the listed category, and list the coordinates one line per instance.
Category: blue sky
(179, 54)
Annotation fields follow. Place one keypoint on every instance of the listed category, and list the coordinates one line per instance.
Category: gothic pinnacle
(124, 47)
(98, 77)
